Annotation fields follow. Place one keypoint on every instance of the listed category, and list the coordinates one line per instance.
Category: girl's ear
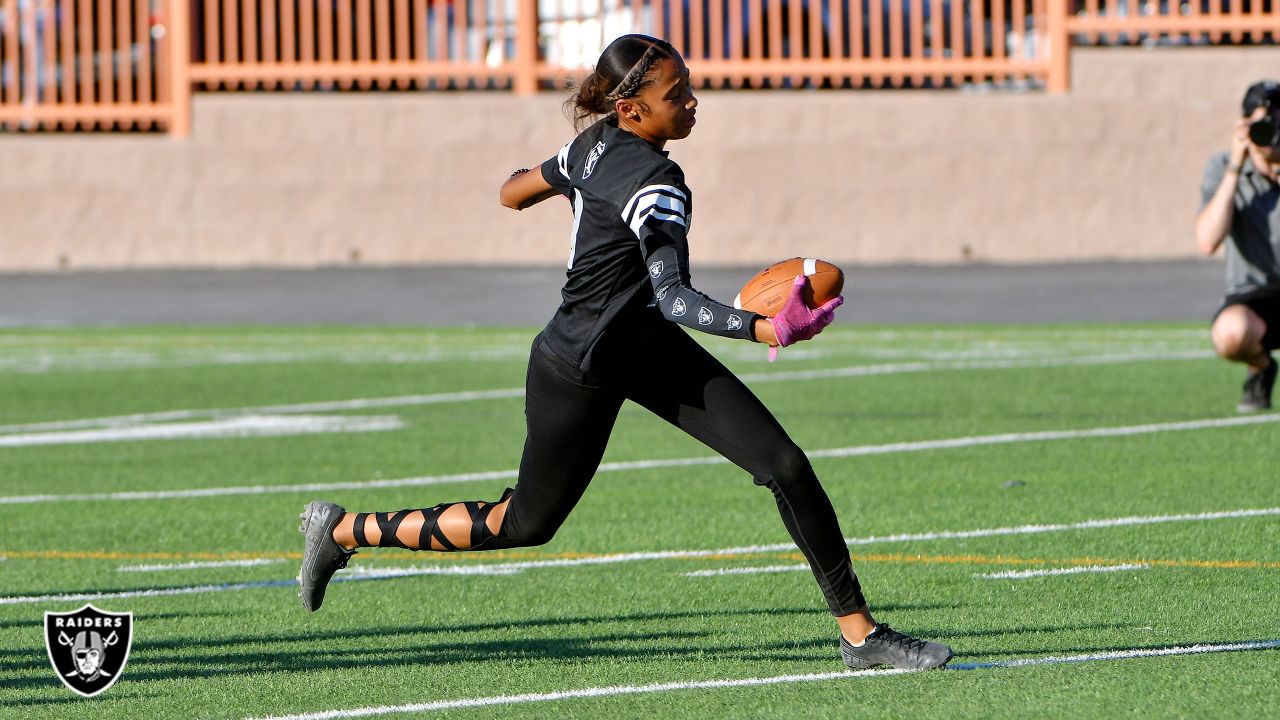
(625, 108)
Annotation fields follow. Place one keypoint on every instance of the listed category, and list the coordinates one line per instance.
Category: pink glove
(797, 321)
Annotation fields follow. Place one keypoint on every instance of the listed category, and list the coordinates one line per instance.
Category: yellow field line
(904, 558)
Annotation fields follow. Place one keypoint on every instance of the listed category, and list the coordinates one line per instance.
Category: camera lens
(1264, 133)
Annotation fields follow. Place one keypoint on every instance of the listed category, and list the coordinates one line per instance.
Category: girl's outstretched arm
(525, 189)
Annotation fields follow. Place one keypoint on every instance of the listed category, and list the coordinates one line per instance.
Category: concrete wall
(1110, 171)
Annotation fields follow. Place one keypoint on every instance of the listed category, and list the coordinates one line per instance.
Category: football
(768, 291)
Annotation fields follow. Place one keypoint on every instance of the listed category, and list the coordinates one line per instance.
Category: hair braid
(623, 71)
(630, 84)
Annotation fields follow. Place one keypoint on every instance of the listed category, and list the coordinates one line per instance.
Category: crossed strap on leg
(389, 525)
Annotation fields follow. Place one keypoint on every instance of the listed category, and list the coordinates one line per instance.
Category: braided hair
(623, 71)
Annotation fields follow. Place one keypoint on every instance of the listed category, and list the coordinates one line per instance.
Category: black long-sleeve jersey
(629, 250)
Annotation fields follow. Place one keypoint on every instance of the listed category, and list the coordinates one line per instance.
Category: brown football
(768, 291)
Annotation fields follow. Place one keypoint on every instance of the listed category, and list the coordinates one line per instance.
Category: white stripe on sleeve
(562, 159)
(659, 207)
(674, 192)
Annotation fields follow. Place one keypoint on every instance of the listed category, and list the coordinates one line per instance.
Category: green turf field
(1024, 494)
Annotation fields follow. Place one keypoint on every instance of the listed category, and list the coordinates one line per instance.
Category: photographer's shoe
(1257, 389)
(322, 556)
(886, 646)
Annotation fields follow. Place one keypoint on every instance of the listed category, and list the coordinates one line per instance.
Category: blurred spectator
(1241, 203)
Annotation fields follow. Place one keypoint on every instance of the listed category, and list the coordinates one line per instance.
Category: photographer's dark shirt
(1253, 247)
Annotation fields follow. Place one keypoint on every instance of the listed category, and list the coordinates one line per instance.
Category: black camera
(1264, 132)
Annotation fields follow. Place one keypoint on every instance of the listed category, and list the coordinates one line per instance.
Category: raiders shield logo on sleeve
(88, 647)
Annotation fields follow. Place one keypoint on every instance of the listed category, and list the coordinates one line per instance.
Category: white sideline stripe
(855, 451)
(976, 440)
(262, 489)
(508, 393)
(371, 573)
(327, 406)
(150, 592)
(615, 690)
(246, 426)
(199, 565)
(1021, 574)
(1082, 525)
(934, 366)
(513, 567)
(362, 573)
(747, 570)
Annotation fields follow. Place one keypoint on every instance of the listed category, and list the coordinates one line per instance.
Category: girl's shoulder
(611, 163)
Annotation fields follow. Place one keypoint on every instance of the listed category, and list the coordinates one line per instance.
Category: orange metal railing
(86, 64)
(132, 64)
(355, 44)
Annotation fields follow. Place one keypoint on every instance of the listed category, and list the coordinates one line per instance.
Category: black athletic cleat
(1257, 389)
(322, 556)
(886, 646)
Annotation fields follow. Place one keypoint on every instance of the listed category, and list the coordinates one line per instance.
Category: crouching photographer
(1241, 204)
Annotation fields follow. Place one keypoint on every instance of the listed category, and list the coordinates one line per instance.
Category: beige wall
(1110, 171)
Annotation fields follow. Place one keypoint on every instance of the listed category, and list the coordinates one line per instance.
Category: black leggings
(667, 372)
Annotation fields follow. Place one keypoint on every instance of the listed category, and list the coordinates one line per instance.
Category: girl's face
(664, 110)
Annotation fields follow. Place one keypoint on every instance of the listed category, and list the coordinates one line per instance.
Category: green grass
(419, 639)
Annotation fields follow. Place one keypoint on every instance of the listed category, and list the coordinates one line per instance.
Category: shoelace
(346, 555)
(893, 637)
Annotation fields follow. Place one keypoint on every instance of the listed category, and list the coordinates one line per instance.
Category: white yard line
(854, 451)
(142, 593)
(328, 406)
(1097, 524)
(1082, 525)
(245, 426)
(668, 687)
(508, 393)
(254, 562)
(748, 570)
(936, 366)
(360, 573)
(1023, 574)
(1008, 438)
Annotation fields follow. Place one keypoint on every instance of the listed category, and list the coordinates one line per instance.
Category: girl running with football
(615, 338)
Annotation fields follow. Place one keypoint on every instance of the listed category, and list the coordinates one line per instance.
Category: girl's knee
(788, 467)
(523, 531)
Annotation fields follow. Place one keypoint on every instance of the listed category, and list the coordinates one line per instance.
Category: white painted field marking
(245, 426)
(199, 565)
(935, 366)
(748, 570)
(361, 573)
(297, 408)
(857, 450)
(616, 690)
(508, 393)
(1008, 438)
(23, 361)
(1082, 525)
(1022, 574)
(511, 567)
(148, 592)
